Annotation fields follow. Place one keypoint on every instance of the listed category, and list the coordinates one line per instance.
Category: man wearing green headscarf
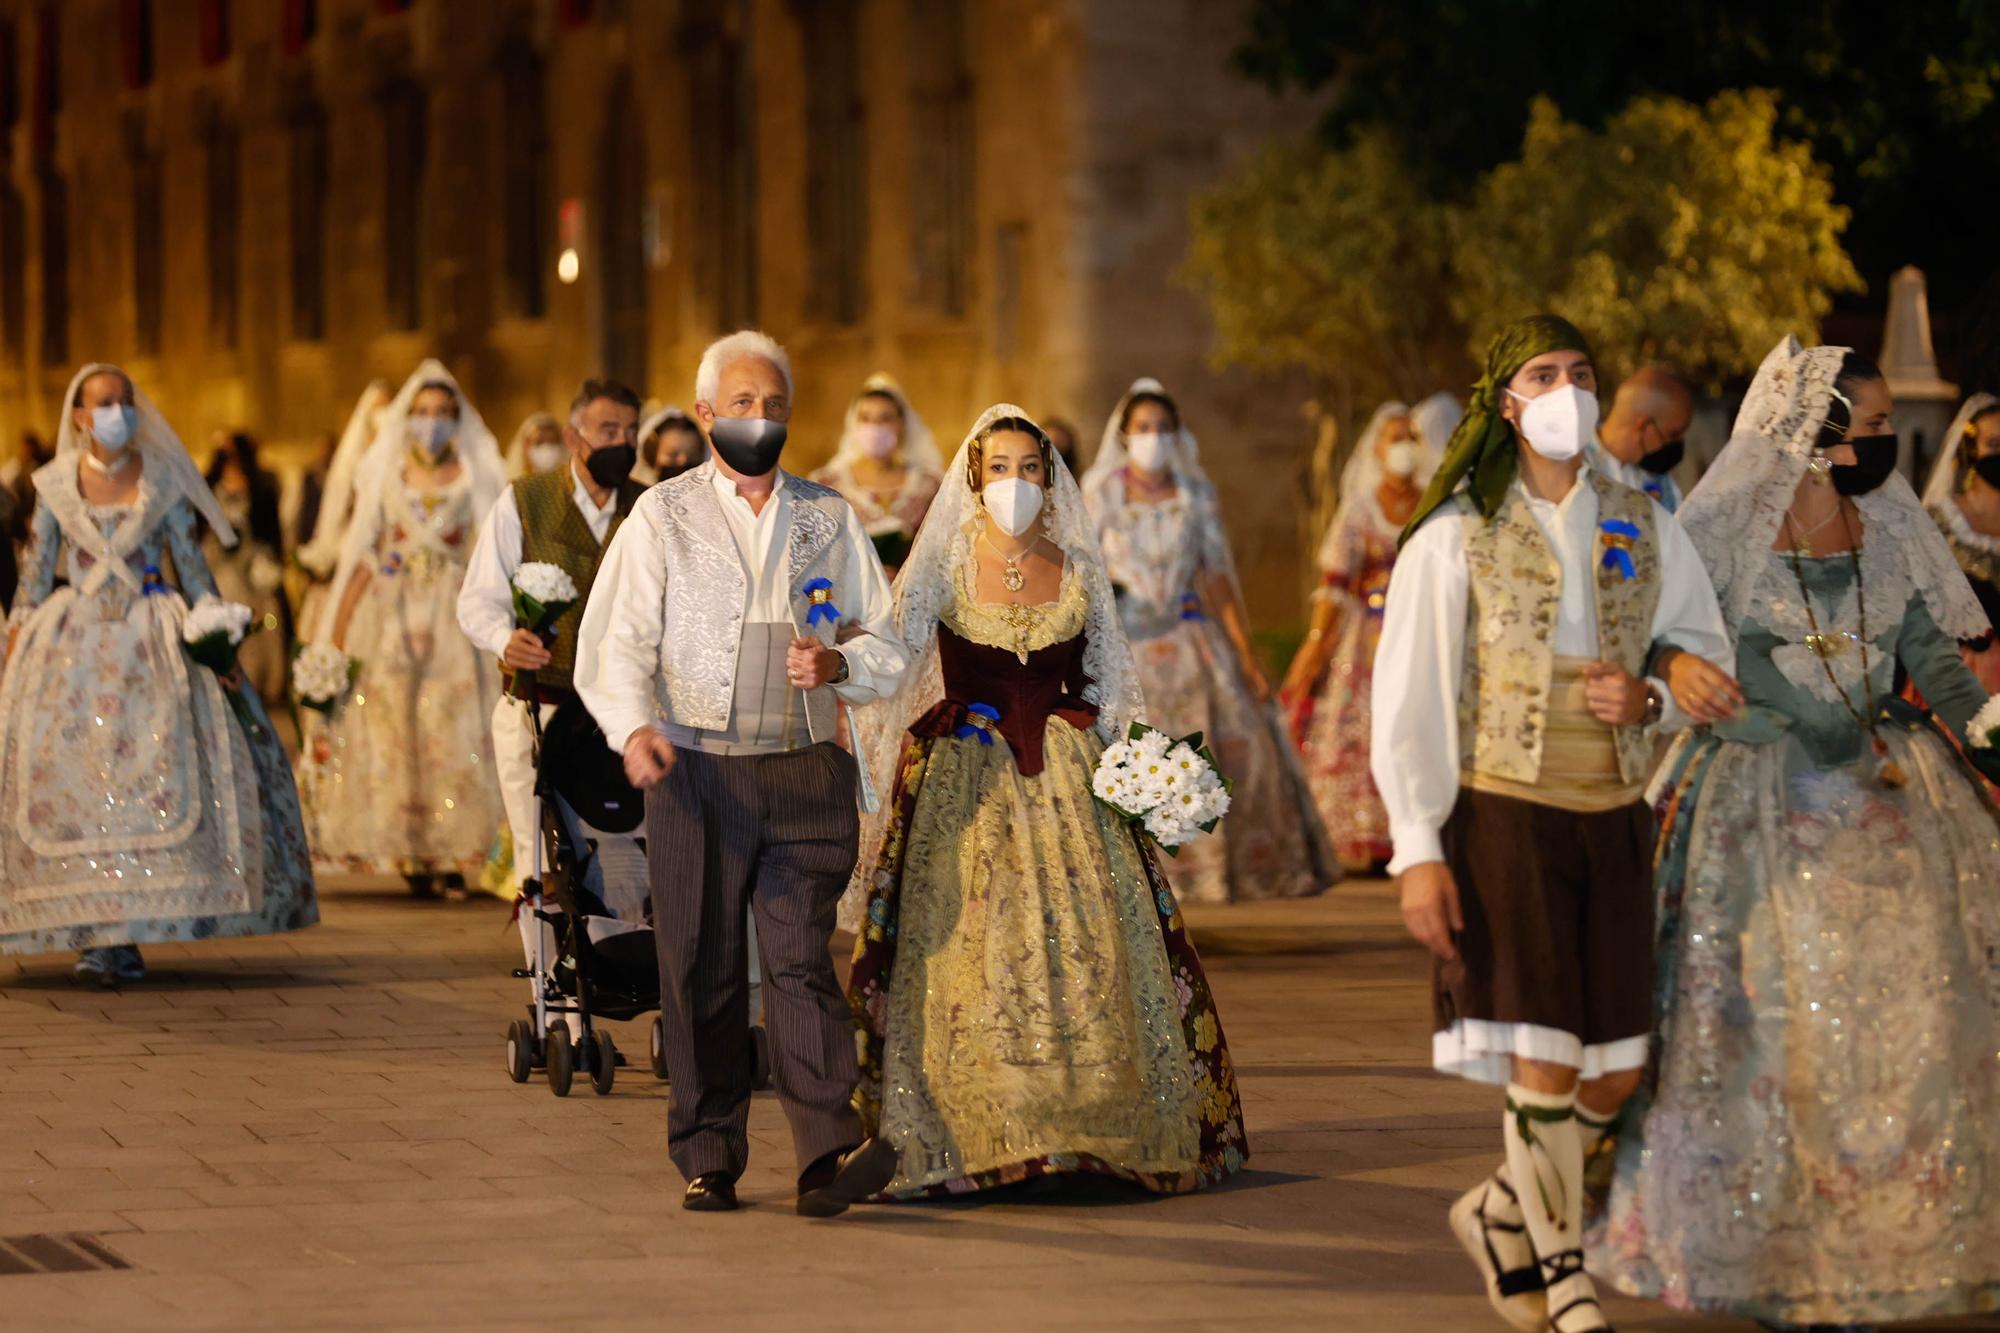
(1513, 734)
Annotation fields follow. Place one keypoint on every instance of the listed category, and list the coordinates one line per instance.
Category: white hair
(734, 347)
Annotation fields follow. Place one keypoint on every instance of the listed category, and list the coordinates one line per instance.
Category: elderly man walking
(730, 610)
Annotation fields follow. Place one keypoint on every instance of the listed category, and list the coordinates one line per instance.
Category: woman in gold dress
(1029, 1001)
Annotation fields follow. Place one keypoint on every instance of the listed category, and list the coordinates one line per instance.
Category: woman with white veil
(137, 803)
(400, 779)
(1818, 1137)
(887, 467)
(1964, 497)
(319, 554)
(1157, 518)
(1028, 999)
(537, 447)
(1330, 686)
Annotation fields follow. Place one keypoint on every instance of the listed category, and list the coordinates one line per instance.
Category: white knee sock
(1545, 1164)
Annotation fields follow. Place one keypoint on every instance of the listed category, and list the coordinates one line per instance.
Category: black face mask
(1665, 458)
(750, 445)
(669, 471)
(609, 467)
(1874, 460)
(1988, 469)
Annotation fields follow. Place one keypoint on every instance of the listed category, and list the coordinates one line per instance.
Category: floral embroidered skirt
(1027, 997)
(1818, 1138)
(1335, 742)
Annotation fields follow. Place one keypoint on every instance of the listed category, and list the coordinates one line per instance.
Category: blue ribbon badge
(820, 593)
(1191, 607)
(980, 719)
(152, 583)
(1618, 538)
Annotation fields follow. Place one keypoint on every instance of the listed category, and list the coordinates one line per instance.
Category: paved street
(316, 1132)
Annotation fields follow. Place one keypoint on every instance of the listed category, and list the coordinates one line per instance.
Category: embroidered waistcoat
(555, 532)
(1514, 595)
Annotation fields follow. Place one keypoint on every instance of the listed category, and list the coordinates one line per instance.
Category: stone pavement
(315, 1131)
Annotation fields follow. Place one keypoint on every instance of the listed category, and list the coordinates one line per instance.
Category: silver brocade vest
(1515, 593)
(706, 587)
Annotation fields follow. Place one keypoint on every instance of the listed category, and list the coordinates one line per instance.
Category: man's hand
(809, 664)
(1704, 691)
(1614, 695)
(1430, 907)
(649, 756)
(524, 651)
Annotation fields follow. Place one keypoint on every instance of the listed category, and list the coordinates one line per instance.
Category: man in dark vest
(564, 517)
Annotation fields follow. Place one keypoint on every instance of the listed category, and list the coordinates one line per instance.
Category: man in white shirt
(564, 517)
(1644, 437)
(1514, 725)
(731, 610)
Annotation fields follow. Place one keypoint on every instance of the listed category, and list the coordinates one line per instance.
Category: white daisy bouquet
(213, 631)
(321, 676)
(1171, 789)
(1983, 731)
(542, 592)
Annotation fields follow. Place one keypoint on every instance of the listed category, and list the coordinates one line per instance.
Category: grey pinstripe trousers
(780, 832)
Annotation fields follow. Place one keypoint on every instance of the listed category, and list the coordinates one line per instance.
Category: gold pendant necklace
(1012, 576)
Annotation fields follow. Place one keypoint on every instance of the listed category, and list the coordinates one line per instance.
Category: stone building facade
(258, 205)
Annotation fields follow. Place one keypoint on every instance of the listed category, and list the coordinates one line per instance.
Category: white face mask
(546, 456)
(111, 425)
(877, 440)
(1013, 503)
(1558, 422)
(1401, 458)
(1150, 451)
(431, 434)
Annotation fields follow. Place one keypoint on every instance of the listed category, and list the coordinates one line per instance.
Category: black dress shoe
(839, 1180)
(710, 1192)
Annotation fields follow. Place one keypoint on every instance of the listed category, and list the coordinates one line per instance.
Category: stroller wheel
(520, 1051)
(604, 1064)
(659, 1052)
(562, 1062)
(760, 1058)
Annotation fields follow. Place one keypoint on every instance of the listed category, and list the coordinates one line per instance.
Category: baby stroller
(592, 956)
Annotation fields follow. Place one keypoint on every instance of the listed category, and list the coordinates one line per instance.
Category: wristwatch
(841, 672)
(1656, 705)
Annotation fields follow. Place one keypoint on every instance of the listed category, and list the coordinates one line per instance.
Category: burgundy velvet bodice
(1025, 694)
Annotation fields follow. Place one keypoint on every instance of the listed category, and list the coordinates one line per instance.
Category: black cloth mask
(609, 467)
(1874, 460)
(750, 445)
(1665, 458)
(1988, 469)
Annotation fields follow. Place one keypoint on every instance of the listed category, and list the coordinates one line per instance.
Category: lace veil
(926, 587)
(477, 450)
(920, 450)
(336, 505)
(517, 447)
(1363, 474)
(1950, 466)
(169, 466)
(1104, 482)
(1734, 512)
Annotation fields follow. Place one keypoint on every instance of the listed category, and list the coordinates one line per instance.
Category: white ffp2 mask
(1401, 459)
(1150, 451)
(1014, 503)
(1557, 423)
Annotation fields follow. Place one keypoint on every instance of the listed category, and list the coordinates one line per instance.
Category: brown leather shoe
(837, 1181)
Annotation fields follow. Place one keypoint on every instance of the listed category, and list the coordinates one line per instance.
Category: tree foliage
(1687, 234)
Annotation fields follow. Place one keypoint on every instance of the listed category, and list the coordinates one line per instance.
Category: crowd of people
(1688, 796)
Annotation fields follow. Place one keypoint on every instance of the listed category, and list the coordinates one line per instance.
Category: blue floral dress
(135, 805)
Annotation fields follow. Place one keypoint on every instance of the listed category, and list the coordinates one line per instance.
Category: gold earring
(1820, 470)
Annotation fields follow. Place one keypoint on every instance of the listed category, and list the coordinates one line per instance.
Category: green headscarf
(1483, 445)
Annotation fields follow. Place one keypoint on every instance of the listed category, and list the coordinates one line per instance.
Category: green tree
(1680, 233)
(1329, 262)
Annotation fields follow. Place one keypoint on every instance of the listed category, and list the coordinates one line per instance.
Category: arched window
(403, 249)
(307, 177)
(149, 220)
(222, 180)
(722, 119)
(620, 211)
(54, 191)
(526, 205)
(941, 154)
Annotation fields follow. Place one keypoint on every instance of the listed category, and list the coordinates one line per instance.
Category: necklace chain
(1013, 578)
(1891, 774)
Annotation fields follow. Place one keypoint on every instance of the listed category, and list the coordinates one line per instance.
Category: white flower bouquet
(321, 676)
(213, 631)
(542, 592)
(1983, 731)
(1171, 789)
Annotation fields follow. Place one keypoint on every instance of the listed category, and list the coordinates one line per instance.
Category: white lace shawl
(336, 502)
(382, 467)
(1945, 473)
(925, 587)
(1735, 511)
(169, 468)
